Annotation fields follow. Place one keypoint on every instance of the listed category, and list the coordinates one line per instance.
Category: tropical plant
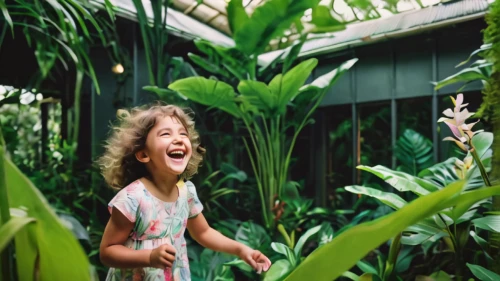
(434, 178)
(261, 107)
(263, 110)
(293, 256)
(60, 31)
(491, 104)
(439, 212)
(296, 214)
(154, 33)
(214, 187)
(414, 152)
(44, 248)
(487, 71)
(335, 258)
(387, 268)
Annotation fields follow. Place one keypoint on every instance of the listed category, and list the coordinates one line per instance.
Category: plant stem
(393, 257)
(76, 105)
(479, 163)
(452, 235)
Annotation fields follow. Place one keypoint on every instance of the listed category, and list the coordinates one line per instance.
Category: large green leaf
(482, 143)
(278, 270)
(259, 95)
(401, 181)
(11, 228)
(390, 199)
(236, 15)
(267, 22)
(326, 264)
(490, 223)
(483, 48)
(414, 152)
(59, 255)
(321, 16)
(284, 250)
(467, 199)
(303, 239)
(207, 92)
(425, 230)
(466, 75)
(311, 92)
(253, 235)
(441, 174)
(482, 273)
(286, 87)
(328, 79)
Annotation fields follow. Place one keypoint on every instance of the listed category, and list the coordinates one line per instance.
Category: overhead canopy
(401, 24)
(208, 20)
(194, 22)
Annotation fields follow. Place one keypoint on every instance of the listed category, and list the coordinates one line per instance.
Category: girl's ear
(142, 156)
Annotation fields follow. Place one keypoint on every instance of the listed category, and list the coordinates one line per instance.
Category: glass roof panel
(186, 18)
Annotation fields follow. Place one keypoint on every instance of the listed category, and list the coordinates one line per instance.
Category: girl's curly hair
(119, 165)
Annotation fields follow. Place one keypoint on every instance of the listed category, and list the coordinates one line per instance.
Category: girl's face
(168, 146)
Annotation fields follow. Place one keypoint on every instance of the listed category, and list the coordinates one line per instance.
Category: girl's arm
(211, 238)
(114, 254)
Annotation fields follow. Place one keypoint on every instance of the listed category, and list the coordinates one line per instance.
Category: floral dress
(156, 223)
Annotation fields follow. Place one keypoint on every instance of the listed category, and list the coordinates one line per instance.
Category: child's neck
(166, 184)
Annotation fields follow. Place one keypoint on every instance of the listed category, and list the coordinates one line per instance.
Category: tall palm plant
(61, 33)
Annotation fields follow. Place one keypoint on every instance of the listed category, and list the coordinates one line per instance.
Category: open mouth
(176, 154)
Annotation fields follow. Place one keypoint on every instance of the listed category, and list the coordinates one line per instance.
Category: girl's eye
(184, 134)
(165, 134)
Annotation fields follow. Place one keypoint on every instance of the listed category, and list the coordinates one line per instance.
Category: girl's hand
(255, 259)
(162, 257)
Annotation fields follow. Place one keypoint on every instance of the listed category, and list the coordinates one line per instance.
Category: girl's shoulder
(135, 190)
(135, 187)
(128, 199)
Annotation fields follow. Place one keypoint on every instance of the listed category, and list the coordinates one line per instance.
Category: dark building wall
(403, 68)
(394, 75)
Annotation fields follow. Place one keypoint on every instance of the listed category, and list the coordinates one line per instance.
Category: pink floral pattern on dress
(156, 223)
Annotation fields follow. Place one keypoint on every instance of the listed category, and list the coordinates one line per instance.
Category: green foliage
(262, 108)
(490, 109)
(414, 152)
(252, 35)
(44, 246)
(435, 178)
(60, 32)
(293, 256)
(357, 241)
(213, 187)
(209, 265)
(482, 273)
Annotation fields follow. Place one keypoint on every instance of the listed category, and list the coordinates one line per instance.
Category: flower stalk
(462, 136)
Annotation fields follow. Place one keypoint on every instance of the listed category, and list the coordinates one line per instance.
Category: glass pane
(415, 114)
(375, 139)
(339, 159)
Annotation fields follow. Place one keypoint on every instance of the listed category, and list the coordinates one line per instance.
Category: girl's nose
(177, 139)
